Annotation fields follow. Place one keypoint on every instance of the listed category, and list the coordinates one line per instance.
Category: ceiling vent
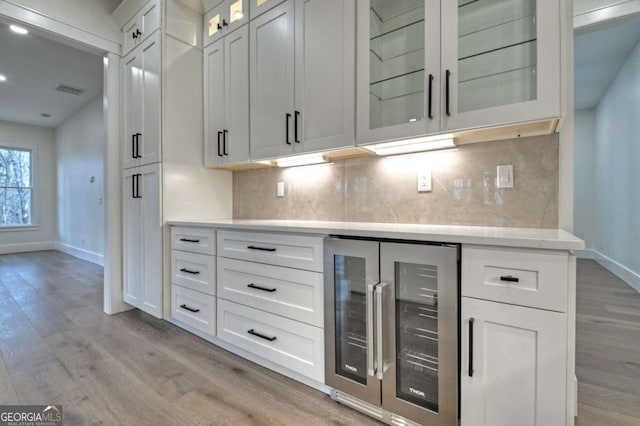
(70, 90)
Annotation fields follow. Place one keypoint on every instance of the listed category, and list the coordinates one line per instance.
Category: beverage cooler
(391, 327)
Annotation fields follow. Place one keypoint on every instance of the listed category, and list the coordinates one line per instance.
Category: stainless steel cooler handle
(379, 329)
(371, 368)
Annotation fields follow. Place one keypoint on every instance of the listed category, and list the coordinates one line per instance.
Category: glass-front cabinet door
(419, 331)
(224, 18)
(398, 68)
(351, 273)
(500, 62)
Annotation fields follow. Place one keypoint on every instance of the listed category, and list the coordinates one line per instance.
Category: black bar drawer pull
(295, 127)
(430, 96)
(187, 240)
(185, 307)
(187, 271)
(261, 248)
(219, 136)
(287, 119)
(510, 279)
(262, 336)
(447, 88)
(257, 287)
(471, 321)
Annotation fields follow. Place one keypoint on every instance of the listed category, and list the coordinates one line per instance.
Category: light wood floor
(607, 348)
(57, 346)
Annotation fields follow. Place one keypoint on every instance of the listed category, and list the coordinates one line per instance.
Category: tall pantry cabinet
(163, 174)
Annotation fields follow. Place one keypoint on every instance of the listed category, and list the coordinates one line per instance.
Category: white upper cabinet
(258, 7)
(141, 110)
(324, 116)
(502, 62)
(141, 26)
(226, 80)
(272, 65)
(431, 66)
(224, 18)
(398, 68)
(302, 78)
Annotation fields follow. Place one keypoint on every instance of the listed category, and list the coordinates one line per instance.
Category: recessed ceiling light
(3, 78)
(18, 30)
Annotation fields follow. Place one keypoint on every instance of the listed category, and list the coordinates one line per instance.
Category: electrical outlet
(280, 189)
(424, 181)
(505, 176)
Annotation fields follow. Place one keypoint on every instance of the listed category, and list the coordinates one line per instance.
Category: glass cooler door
(351, 272)
(420, 331)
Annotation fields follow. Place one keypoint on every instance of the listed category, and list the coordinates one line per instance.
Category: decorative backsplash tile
(376, 189)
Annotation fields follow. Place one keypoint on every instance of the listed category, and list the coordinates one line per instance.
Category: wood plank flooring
(607, 348)
(57, 346)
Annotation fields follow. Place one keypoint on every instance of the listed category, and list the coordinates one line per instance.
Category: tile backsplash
(376, 189)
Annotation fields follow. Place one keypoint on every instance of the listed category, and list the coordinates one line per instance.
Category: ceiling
(599, 55)
(34, 67)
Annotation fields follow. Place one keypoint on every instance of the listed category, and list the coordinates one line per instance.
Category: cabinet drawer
(291, 293)
(195, 240)
(296, 346)
(292, 251)
(194, 308)
(194, 271)
(527, 278)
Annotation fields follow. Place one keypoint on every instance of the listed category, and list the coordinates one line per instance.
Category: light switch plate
(424, 181)
(505, 176)
(280, 189)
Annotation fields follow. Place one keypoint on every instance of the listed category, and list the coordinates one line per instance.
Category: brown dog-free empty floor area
(58, 347)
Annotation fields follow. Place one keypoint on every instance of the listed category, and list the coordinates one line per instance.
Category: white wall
(41, 141)
(584, 176)
(80, 155)
(617, 174)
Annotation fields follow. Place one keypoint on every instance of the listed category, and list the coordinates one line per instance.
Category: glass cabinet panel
(235, 11)
(215, 24)
(417, 334)
(350, 318)
(497, 53)
(397, 62)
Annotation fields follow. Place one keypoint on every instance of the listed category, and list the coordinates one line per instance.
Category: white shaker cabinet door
(132, 238)
(132, 109)
(513, 365)
(150, 206)
(272, 82)
(236, 65)
(325, 75)
(214, 103)
(149, 143)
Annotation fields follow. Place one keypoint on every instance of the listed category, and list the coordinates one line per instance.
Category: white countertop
(554, 239)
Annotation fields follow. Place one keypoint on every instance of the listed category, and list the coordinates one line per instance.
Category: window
(16, 187)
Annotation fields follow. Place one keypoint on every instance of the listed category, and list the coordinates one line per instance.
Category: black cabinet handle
(261, 248)
(187, 240)
(430, 95)
(262, 336)
(224, 23)
(133, 186)
(219, 136)
(185, 307)
(287, 120)
(219, 27)
(133, 146)
(133, 35)
(295, 127)
(138, 145)
(510, 279)
(448, 74)
(224, 142)
(471, 321)
(187, 271)
(138, 176)
(138, 33)
(268, 290)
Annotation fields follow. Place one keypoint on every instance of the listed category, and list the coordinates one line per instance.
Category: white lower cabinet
(142, 238)
(194, 271)
(291, 344)
(513, 365)
(193, 308)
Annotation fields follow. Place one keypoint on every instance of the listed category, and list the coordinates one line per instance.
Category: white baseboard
(83, 254)
(586, 254)
(627, 275)
(27, 247)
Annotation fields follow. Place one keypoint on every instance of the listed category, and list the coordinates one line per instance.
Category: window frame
(32, 149)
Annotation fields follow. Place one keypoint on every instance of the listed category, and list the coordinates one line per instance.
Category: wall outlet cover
(280, 189)
(424, 181)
